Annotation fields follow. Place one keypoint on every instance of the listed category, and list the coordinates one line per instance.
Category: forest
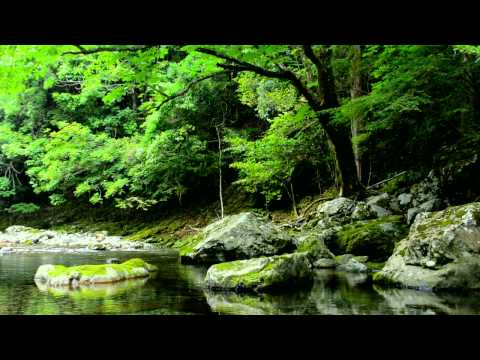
(154, 142)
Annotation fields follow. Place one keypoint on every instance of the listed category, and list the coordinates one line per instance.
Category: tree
(357, 90)
(321, 98)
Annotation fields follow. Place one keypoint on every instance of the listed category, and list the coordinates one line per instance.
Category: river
(176, 289)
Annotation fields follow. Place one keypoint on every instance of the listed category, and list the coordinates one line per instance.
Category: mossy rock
(373, 238)
(261, 274)
(442, 251)
(236, 237)
(59, 275)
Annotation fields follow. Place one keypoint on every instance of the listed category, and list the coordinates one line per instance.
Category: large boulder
(442, 251)
(374, 238)
(380, 204)
(336, 211)
(424, 196)
(341, 211)
(74, 276)
(313, 244)
(261, 274)
(429, 205)
(362, 211)
(352, 265)
(236, 237)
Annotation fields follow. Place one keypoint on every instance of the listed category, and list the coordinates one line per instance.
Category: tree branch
(324, 76)
(83, 51)
(189, 86)
(308, 51)
(284, 74)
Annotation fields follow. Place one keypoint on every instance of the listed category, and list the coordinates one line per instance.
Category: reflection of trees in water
(173, 289)
(341, 293)
(178, 289)
(14, 300)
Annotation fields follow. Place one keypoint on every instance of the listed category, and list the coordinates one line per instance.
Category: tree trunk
(323, 99)
(345, 161)
(220, 191)
(357, 91)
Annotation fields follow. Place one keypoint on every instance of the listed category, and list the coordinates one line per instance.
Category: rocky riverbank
(410, 238)
(441, 250)
(23, 239)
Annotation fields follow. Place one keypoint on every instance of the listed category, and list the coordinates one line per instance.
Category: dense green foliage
(140, 126)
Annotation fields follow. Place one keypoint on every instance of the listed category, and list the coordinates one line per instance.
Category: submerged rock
(261, 274)
(241, 236)
(442, 251)
(59, 275)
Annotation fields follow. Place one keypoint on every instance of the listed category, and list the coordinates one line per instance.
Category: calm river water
(176, 289)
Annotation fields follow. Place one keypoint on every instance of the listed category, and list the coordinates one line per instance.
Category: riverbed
(176, 289)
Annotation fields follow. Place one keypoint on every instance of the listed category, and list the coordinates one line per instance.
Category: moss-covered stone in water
(59, 275)
(260, 274)
(374, 238)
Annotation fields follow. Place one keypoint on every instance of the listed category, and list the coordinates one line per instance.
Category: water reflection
(408, 301)
(178, 289)
(230, 303)
(339, 293)
(168, 291)
(96, 291)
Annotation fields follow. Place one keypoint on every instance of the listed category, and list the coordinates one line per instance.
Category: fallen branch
(316, 202)
(386, 180)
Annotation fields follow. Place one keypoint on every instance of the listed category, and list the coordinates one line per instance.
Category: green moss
(147, 232)
(187, 244)
(375, 266)
(384, 280)
(87, 271)
(444, 218)
(28, 242)
(251, 279)
(368, 238)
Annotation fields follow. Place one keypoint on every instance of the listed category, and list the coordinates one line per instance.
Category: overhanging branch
(189, 86)
(83, 51)
(283, 74)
